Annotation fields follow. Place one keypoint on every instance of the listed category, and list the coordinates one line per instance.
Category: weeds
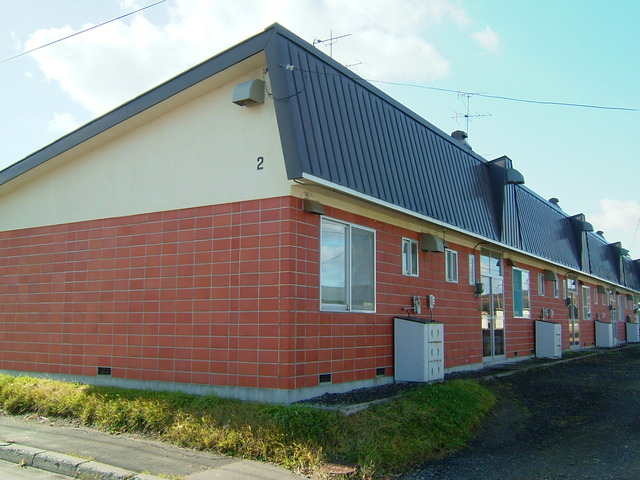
(383, 440)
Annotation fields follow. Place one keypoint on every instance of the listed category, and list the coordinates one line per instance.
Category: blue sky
(566, 51)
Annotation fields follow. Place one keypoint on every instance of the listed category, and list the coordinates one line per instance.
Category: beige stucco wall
(202, 152)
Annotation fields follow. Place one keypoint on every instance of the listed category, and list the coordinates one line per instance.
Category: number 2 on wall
(260, 162)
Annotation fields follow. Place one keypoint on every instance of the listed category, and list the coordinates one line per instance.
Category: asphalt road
(573, 420)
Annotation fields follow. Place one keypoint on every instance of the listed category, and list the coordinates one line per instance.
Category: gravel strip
(574, 420)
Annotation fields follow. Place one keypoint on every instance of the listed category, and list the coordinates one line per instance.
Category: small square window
(409, 257)
(451, 265)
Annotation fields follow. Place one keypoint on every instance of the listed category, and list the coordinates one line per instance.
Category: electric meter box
(633, 332)
(604, 335)
(418, 350)
(548, 339)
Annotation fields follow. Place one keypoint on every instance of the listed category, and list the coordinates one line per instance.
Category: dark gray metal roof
(338, 128)
(631, 273)
(545, 230)
(602, 259)
(350, 134)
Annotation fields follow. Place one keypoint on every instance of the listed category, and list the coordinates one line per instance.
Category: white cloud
(619, 221)
(615, 214)
(106, 66)
(487, 39)
(130, 4)
(62, 123)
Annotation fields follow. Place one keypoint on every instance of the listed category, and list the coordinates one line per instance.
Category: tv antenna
(467, 96)
(330, 41)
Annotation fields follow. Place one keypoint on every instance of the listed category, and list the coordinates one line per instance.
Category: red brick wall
(226, 295)
(201, 295)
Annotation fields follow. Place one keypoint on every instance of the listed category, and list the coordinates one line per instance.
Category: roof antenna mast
(330, 41)
(467, 115)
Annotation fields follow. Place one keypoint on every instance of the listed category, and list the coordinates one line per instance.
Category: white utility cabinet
(604, 335)
(548, 339)
(633, 332)
(418, 350)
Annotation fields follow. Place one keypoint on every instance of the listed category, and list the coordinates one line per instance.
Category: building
(253, 227)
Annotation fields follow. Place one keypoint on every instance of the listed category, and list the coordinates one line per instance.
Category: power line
(512, 99)
(81, 31)
(333, 40)
(485, 95)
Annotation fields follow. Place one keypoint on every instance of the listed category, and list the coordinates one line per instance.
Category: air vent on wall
(249, 93)
(431, 243)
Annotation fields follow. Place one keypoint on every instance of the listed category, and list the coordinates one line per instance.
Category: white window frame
(541, 285)
(450, 265)
(410, 258)
(348, 306)
(526, 312)
(556, 288)
(586, 302)
(472, 269)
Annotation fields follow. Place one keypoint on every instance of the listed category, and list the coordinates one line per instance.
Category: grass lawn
(383, 440)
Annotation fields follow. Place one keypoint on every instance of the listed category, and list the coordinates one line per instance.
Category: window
(451, 265)
(472, 269)
(556, 289)
(409, 257)
(490, 263)
(521, 306)
(595, 297)
(347, 272)
(541, 284)
(586, 303)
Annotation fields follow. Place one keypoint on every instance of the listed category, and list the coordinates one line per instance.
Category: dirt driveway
(573, 420)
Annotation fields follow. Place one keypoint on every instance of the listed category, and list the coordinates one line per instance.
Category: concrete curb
(65, 464)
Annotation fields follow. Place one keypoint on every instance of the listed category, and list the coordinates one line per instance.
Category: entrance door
(617, 316)
(574, 313)
(492, 318)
